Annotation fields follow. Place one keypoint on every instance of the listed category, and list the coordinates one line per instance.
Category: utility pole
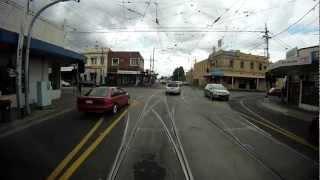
(267, 37)
(153, 59)
(19, 58)
(26, 62)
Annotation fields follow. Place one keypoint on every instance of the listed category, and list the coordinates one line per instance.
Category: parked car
(180, 83)
(173, 88)
(274, 92)
(102, 99)
(163, 81)
(65, 83)
(216, 91)
(186, 83)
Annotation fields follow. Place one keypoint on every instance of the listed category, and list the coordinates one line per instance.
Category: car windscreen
(218, 87)
(172, 85)
(98, 92)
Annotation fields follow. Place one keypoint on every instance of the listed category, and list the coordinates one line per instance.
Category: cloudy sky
(184, 30)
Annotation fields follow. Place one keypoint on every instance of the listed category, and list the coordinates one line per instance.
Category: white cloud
(180, 48)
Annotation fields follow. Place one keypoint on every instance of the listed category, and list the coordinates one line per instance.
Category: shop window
(115, 61)
(7, 79)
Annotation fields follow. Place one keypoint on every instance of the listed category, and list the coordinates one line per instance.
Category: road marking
(278, 129)
(71, 155)
(68, 173)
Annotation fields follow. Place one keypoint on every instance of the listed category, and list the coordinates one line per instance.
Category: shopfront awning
(128, 72)
(39, 47)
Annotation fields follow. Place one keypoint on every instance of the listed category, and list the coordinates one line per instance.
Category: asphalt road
(167, 137)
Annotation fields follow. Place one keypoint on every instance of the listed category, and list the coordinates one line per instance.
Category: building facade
(47, 54)
(200, 72)
(96, 65)
(234, 69)
(125, 68)
(300, 74)
(189, 76)
(237, 70)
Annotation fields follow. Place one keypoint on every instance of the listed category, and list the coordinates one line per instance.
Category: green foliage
(178, 74)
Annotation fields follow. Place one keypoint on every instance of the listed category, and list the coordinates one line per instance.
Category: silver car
(173, 88)
(216, 91)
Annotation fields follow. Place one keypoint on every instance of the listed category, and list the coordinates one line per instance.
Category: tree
(178, 74)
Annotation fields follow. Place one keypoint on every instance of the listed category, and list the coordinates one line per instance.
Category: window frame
(251, 65)
(93, 60)
(136, 60)
(241, 64)
(231, 63)
(115, 64)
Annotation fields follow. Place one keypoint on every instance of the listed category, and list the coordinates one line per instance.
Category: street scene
(161, 90)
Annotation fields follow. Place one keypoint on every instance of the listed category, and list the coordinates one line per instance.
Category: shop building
(47, 55)
(300, 73)
(234, 69)
(96, 65)
(125, 68)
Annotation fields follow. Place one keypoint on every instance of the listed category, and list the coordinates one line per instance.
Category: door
(116, 98)
(123, 96)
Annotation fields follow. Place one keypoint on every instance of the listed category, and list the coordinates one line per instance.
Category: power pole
(19, 58)
(267, 37)
(153, 59)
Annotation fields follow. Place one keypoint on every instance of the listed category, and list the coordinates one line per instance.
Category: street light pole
(26, 65)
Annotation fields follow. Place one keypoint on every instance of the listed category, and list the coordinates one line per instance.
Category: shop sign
(217, 72)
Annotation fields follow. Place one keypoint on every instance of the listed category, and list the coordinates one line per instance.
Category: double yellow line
(76, 164)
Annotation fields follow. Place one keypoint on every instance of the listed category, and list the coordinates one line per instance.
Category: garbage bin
(5, 110)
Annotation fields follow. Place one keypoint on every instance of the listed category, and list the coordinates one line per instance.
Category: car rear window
(172, 85)
(98, 92)
(217, 86)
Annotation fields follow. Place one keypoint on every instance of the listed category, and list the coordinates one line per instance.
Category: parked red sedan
(102, 99)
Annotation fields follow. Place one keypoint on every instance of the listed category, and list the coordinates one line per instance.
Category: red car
(102, 99)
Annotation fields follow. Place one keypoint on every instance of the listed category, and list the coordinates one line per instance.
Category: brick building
(125, 68)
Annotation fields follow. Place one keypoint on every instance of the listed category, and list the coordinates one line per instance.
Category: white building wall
(10, 19)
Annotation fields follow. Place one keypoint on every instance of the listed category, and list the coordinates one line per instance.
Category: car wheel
(115, 109)
(211, 97)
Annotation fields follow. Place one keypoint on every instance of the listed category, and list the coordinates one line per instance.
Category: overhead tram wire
(296, 22)
(165, 30)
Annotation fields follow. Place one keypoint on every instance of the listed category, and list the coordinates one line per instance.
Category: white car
(65, 84)
(173, 88)
(180, 83)
(216, 91)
